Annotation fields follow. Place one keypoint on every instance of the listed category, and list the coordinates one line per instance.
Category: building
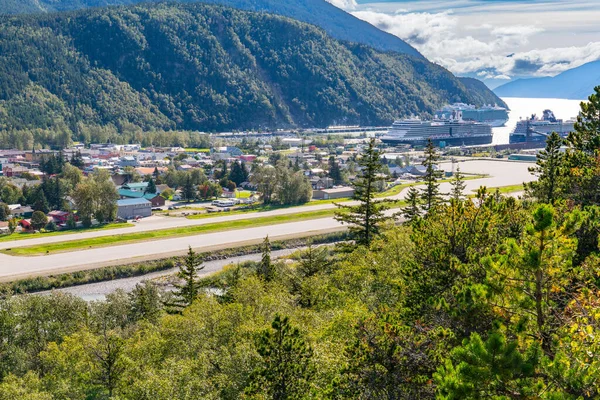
(132, 208)
(59, 217)
(337, 193)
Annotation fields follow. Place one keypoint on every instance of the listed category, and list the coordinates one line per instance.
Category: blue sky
(495, 40)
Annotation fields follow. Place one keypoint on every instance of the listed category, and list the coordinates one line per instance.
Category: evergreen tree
(266, 269)
(430, 194)
(4, 212)
(151, 188)
(335, 172)
(77, 160)
(366, 218)
(238, 173)
(156, 173)
(412, 211)
(458, 186)
(286, 368)
(41, 203)
(186, 292)
(583, 154)
(189, 190)
(549, 170)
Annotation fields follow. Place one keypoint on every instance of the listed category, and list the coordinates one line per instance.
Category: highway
(501, 173)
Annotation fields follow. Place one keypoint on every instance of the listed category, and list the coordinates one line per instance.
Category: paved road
(502, 174)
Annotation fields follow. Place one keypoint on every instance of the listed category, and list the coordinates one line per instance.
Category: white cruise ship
(448, 132)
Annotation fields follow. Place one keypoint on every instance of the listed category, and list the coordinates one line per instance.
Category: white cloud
(344, 4)
(486, 47)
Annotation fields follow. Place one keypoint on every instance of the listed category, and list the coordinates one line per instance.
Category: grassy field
(25, 236)
(129, 238)
(394, 191)
(504, 189)
(243, 194)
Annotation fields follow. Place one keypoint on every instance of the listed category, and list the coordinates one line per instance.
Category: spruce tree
(412, 211)
(189, 191)
(151, 188)
(549, 170)
(286, 367)
(41, 204)
(186, 292)
(266, 269)
(458, 186)
(335, 172)
(366, 218)
(583, 154)
(430, 194)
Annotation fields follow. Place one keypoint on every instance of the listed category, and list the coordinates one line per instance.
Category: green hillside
(202, 67)
(336, 22)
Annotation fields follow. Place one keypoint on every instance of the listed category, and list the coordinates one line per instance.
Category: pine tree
(189, 191)
(412, 211)
(583, 154)
(186, 292)
(286, 367)
(335, 172)
(549, 170)
(151, 188)
(41, 204)
(430, 194)
(266, 269)
(366, 218)
(458, 186)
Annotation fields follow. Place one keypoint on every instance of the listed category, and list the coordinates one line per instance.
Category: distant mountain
(333, 20)
(476, 86)
(576, 84)
(202, 67)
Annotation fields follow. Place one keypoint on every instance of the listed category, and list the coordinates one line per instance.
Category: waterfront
(525, 107)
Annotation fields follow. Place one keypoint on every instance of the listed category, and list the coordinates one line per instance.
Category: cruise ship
(442, 132)
(494, 116)
(536, 129)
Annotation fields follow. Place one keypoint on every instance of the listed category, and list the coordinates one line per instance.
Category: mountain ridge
(202, 67)
(338, 23)
(573, 84)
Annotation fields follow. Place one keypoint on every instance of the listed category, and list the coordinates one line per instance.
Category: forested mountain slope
(203, 67)
(333, 20)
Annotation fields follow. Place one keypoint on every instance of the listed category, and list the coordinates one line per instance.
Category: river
(523, 108)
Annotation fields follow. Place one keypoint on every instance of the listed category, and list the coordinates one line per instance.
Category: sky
(493, 40)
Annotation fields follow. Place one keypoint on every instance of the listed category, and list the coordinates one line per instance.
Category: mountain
(202, 67)
(333, 20)
(576, 84)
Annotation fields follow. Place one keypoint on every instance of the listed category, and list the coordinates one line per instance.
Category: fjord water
(521, 108)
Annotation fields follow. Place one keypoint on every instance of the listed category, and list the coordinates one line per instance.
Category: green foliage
(162, 67)
(286, 368)
(494, 368)
(430, 194)
(38, 220)
(549, 171)
(365, 219)
(189, 288)
(412, 211)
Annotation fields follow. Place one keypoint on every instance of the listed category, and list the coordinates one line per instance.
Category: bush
(38, 220)
(51, 226)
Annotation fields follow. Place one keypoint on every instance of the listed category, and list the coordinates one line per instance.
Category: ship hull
(440, 142)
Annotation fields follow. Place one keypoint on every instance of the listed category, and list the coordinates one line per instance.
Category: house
(132, 208)
(59, 217)
(321, 183)
(155, 199)
(228, 194)
(337, 193)
(14, 171)
(128, 161)
(136, 186)
(19, 211)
